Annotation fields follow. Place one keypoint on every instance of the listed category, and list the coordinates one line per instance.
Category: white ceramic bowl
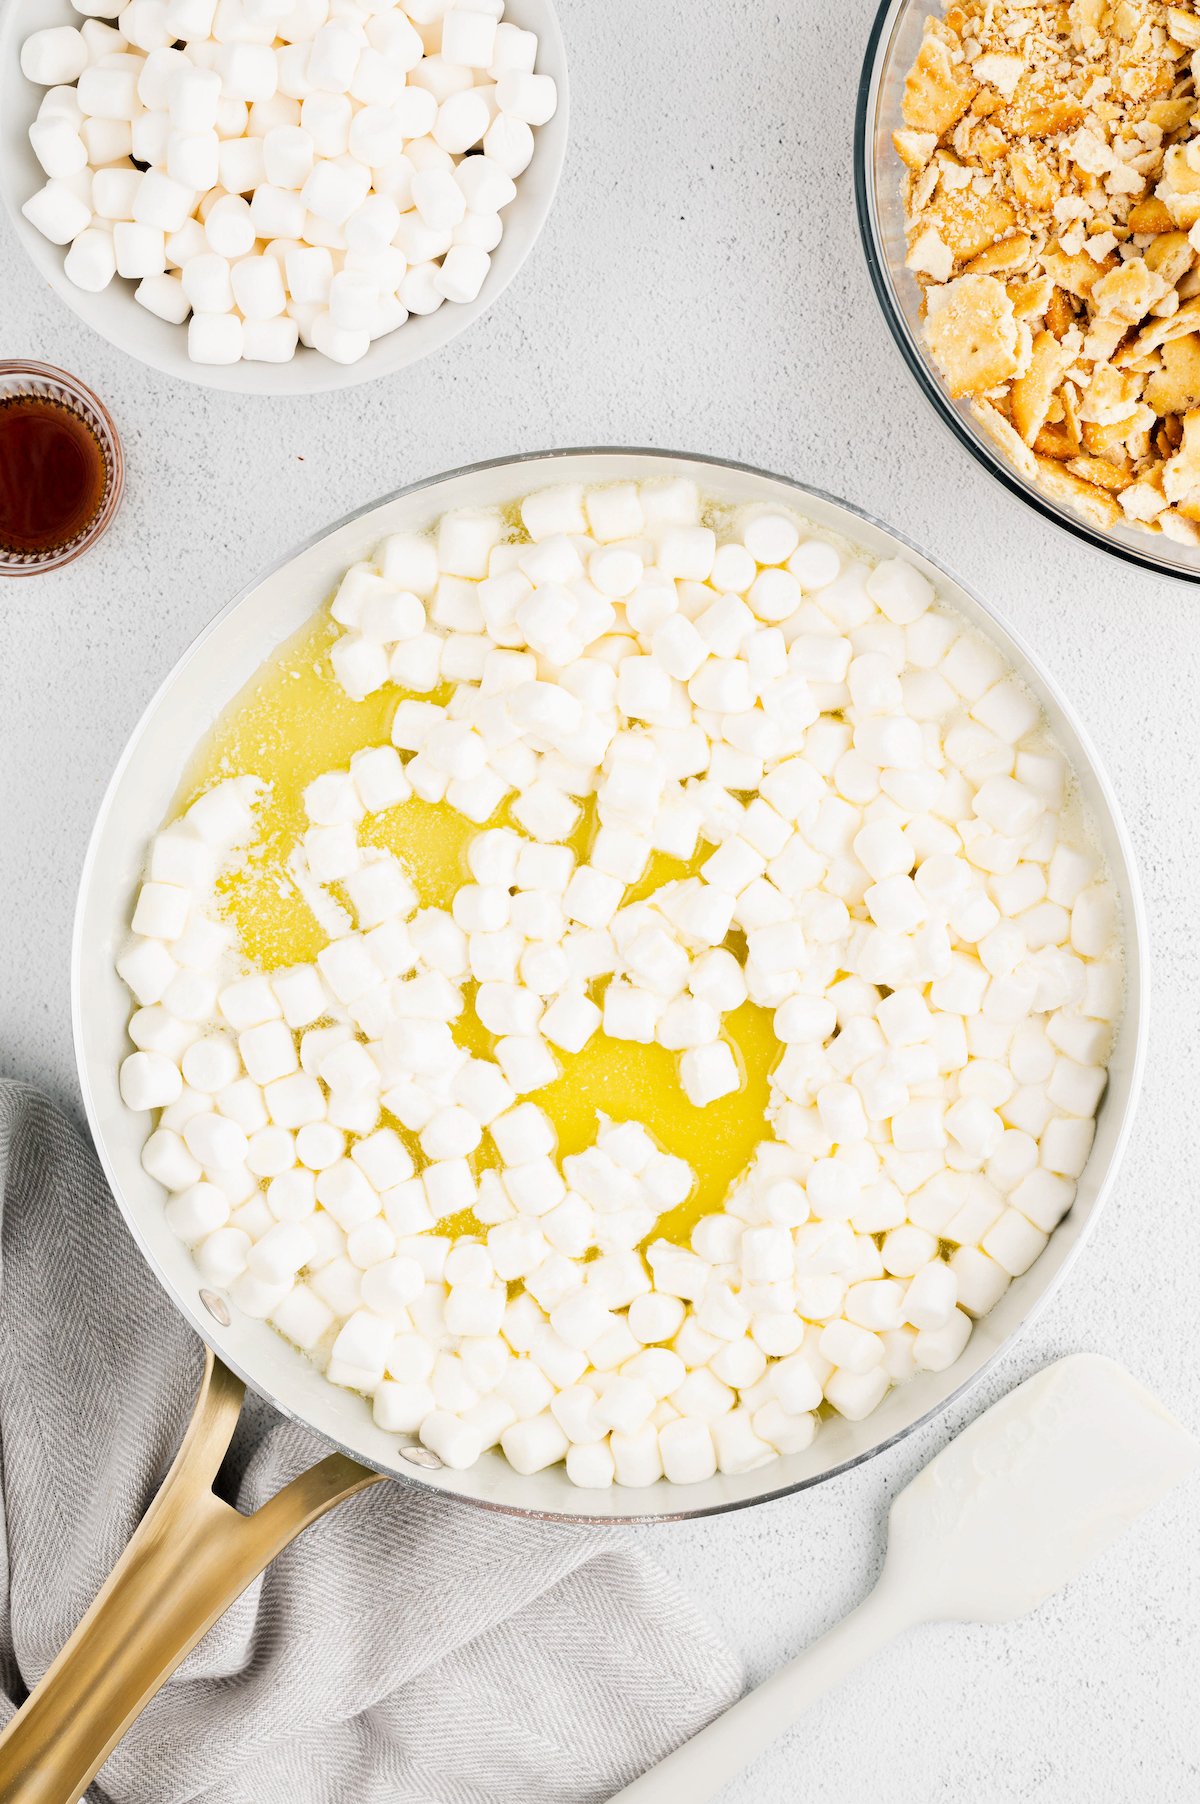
(117, 316)
(207, 677)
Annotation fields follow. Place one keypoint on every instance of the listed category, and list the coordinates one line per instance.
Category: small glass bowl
(891, 51)
(26, 378)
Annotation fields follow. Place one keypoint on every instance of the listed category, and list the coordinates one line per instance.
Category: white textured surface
(700, 286)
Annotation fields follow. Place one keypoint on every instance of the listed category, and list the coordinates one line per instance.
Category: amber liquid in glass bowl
(53, 474)
(60, 469)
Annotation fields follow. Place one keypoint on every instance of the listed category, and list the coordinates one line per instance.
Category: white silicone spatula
(1006, 1514)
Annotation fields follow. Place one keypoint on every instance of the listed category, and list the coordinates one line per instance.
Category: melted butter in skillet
(292, 722)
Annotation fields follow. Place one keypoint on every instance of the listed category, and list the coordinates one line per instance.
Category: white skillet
(206, 678)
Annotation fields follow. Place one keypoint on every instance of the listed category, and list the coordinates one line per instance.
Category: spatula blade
(1039, 1485)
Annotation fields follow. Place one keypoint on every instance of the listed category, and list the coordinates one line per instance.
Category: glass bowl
(891, 51)
(42, 379)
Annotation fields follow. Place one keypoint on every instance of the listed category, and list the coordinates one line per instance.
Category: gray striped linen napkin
(406, 1648)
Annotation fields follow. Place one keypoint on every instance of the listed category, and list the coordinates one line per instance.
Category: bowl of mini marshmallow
(280, 196)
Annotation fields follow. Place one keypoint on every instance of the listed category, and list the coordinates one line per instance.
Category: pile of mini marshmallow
(283, 171)
(885, 854)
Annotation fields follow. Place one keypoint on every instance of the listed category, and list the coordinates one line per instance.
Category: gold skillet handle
(190, 1556)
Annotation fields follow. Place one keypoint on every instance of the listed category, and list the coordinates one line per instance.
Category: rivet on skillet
(218, 1308)
(421, 1456)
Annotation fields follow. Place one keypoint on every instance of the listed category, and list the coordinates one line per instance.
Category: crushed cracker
(1052, 189)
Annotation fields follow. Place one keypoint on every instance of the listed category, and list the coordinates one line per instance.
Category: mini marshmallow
(197, 1212)
(360, 1351)
(570, 1021)
(457, 1444)
(591, 1465)
(464, 269)
(342, 345)
(163, 295)
(107, 88)
(257, 1297)
(1065, 1146)
(591, 897)
(58, 146)
(294, 1101)
(659, 962)
(149, 1080)
(855, 1394)
(57, 213)
(899, 591)
(191, 995)
(302, 1317)
(333, 57)
(530, 1446)
(708, 1073)
(281, 1252)
(335, 189)
(687, 1022)
(353, 297)
(206, 283)
(402, 1408)
(229, 227)
(91, 261)
(57, 54)
(936, 1348)
(148, 969)
(193, 97)
(61, 102)
(221, 1256)
(1076, 1089)
(210, 1063)
(739, 1448)
(469, 38)
(154, 1029)
(508, 142)
(144, 24)
(327, 120)
(162, 203)
(258, 287)
(687, 1451)
(452, 1133)
(288, 156)
(269, 340)
(248, 71)
(193, 162)
(1013, 1242)
(114, 192)
(1093, 921)
(140, 250)
(512, 49)
(856, 1350)
(462, 120)
(268, 1052)
(218, 1143)
(277, 213)
(631, 1013)
(389, 1286)
(532, 98)
(149, 136)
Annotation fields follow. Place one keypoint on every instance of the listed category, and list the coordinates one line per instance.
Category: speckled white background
(700, 286)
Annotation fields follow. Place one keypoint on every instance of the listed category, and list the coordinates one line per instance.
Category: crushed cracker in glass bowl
(1028, 208)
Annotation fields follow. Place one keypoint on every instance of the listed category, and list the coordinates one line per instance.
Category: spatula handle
(696, 1771)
